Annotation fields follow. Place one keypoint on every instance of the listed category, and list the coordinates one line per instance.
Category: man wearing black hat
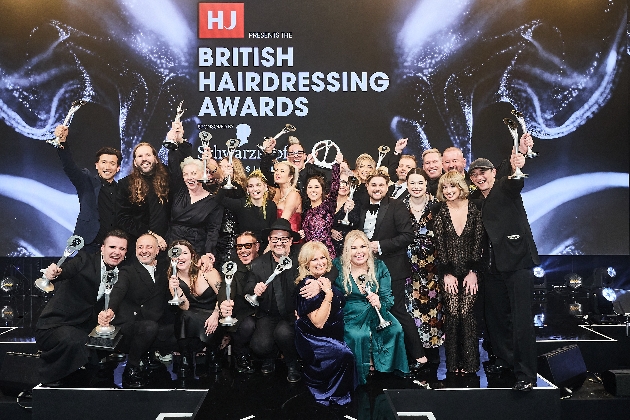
(276, 312)
(509, 278)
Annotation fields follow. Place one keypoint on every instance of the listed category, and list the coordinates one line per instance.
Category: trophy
(106, 336)
(74, 108)
(382, 151)
(521, 120)
(353, 183)
(382, 323)
(231, 144)
(518, 174)
(204, 137)
(73, 244)
(324, 145)
(172, 144)
(287, 129)
(173, 254)
(228, 269)
(284, 264)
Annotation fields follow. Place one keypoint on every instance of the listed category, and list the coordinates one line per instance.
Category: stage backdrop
(360, 73)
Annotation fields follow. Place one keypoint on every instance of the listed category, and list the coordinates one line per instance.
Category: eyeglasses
(281, 239)
(247, 245)
(295, 153)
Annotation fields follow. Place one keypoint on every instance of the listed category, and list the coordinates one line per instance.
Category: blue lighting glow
(539, 272)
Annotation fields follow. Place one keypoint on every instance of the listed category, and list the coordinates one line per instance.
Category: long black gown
(329, 369)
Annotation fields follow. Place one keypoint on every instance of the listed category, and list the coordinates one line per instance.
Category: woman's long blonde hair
(307, 253)
(266, 196)
(352, 236)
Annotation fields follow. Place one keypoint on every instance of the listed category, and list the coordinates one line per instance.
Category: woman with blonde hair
(459, 233)
(319, 330)
(366, 283)
(287, 198)
(365, 166)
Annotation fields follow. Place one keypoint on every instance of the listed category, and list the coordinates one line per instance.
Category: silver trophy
(284, 264)
(74, 108)
(228, 269)
(518, 174)
(324, 145)
(73, 244)
(353, 184)
(287, 129)
(204, 137)
(382, 151)
(173, 254)
(231, 144)
(172, 144)
(382, 322)
(521, 120)
(111, 277)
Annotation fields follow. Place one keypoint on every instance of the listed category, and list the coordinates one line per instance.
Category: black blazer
(390, 192)
(136, 297)
(88, 188)
(74, 302)
(394, 232)
(505, 221)
(262, 267)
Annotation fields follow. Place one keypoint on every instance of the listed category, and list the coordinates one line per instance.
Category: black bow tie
(373, 208)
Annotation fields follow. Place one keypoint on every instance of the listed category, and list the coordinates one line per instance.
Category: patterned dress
(317, 221)
(423, 296)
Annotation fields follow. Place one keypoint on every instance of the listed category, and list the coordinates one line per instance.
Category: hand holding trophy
(173, 254)
(204, 137)
(382, 151)
(74, 244)
(66, 122)
(324, 145)
(518, 174)
(171, 144)
(231, 144)
(521, 120)
(368, 291)
(283, 264)
(287, 129)
(228, 269)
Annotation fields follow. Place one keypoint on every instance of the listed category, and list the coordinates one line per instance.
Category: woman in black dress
(459, 233)
(197, 322)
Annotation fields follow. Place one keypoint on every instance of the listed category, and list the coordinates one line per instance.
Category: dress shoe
(417, 366)
(496, 369)
(133, 377)
(268, 366)
(244, 364)
(214, 363)
(524, 386)
(294, 374)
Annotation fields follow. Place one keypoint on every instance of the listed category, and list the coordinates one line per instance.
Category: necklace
(283, 197)
(418, 209)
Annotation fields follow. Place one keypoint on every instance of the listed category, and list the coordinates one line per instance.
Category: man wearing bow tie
(387, 224)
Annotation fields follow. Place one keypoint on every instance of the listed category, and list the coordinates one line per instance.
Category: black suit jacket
(394, 232)
(74, 302)
(505, 221)
(262, 267)
(136, 297)
(88, 188)
(392, 188)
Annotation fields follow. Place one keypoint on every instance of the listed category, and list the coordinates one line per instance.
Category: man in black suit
(509, 279)
(138, 304)
(398, 190)
(387, 223)
(97, 193)
(70, 315)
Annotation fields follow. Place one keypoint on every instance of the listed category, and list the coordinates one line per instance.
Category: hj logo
(221, 20)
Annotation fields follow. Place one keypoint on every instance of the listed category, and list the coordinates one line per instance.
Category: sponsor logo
(221, 20)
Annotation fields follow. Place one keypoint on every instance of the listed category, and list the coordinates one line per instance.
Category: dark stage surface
(231, 395)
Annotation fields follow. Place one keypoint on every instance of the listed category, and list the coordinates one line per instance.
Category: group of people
(381, 274)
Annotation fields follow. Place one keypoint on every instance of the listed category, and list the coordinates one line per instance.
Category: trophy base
(518, 176)
(228, 321)
(44, 285)
(97, 340)
(170, 145)
(381, 327)
(229, 187)
(252, 300)
(531, 155)
(175, 302)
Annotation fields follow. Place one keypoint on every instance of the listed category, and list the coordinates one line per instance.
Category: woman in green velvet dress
(366, 284)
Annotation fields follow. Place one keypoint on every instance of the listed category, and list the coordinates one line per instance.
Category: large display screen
(360, 73)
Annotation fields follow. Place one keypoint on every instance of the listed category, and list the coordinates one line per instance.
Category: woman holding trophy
(372, 333)
(319, 330)
(344, 219)
(197, 323)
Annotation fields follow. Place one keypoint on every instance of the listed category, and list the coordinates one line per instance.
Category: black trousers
(63, 351)
(140, 336)
(274, 333)
(509, 320)
(413, 344)
(242, 336)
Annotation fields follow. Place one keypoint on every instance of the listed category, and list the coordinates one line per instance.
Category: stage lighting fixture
(575, 309)
(539, 272)
(611, 272)
(7, 284)
(573, 280)
(609, 294)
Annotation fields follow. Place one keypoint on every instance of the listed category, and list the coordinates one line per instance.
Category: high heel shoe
(214, 364)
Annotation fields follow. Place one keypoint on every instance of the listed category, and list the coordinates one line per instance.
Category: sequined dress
(423, 295)
(458, 254)
(317, 221)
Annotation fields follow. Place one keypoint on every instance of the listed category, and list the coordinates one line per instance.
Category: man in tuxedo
(138, 304)
(387, 223)
(70, 315)
(97, 193)
(509, 279)
(398, 189)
